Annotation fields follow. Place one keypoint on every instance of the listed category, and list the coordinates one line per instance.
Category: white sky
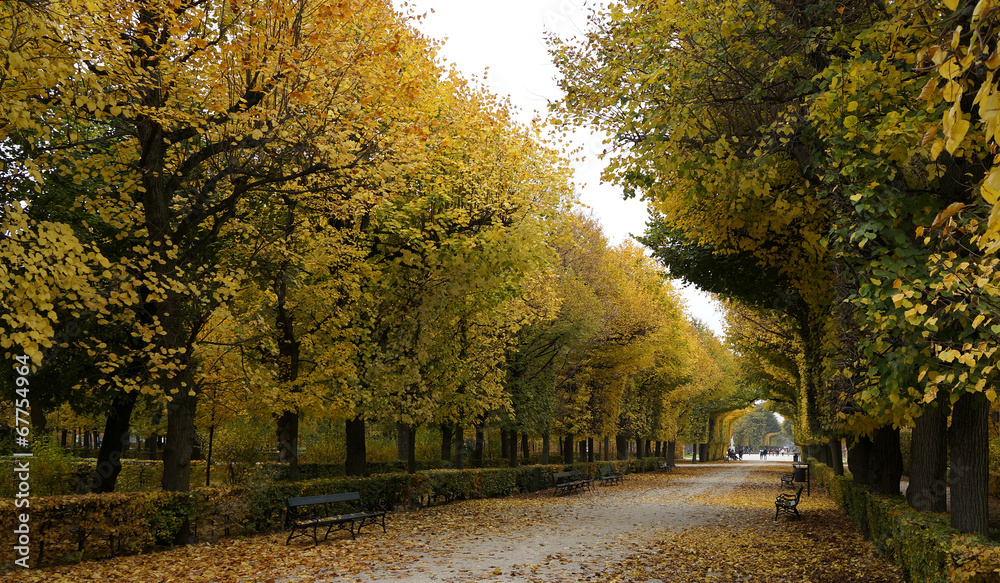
(507, 38)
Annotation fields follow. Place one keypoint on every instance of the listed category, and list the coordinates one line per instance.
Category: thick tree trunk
(459, 442)
(356, 462)
(180, 440)
(38, 421)
(512, 448)
(504, 444)
(659, 448)
(480, 445)
(648, 445)
(288, 447)
(402, 445)
(703, 452)
(447, 431)
(638, 448)
(109, 463)
(671, 445)
(969, 443)
(545, 448)
(837, 457)
(568, 449)
(858, 458)
(928, 487)
(590, 449)
(621, 447)
(607, 448)
(885, 466)
(583, 450)
(63, 438)
(411, 450)
(525, 454)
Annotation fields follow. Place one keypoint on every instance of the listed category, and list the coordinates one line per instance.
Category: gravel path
(542, 537)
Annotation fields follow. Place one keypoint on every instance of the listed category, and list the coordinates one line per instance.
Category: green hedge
(94, 526)
(923, 544)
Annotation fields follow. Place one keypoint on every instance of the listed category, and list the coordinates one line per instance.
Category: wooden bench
(786, 479)
(662, 465)
(571, 481)
(608, 475)
(343, 511)
(788, 504)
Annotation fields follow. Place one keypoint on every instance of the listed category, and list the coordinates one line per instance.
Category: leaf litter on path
(710, 522)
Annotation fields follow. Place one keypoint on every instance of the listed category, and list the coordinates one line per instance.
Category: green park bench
(343, 511)
(570, 481)
(788, 504)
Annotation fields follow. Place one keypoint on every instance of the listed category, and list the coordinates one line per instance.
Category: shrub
(923, 544)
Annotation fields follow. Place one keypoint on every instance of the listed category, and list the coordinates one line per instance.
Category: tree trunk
(648, 444)
(411, 449)
(583, 450)
(703, 452)
(63, 438)
(545, 449)
(621, 447)
(694, 453)
(504, 444)
(858, 458)
(208, 460)
(837, 457)
(512, 448)
(671, 445)
(638, 448)
(590, 449)
(447, 433)
(659, 448)
(459, 439)
(568, 449)
(885, 466)
(928, 487)
(524, 447)
(38, 421)
(969, 443)
(109, 463)
(402, 435)
(356, 462)
(180, 439)
(607, 448)
(480, 445)
(288, 446)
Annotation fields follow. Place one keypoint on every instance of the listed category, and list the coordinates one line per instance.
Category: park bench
(343, 511)
(608, 475)
(787, 504)
(662, 465)
(786, 479)
(571, 481)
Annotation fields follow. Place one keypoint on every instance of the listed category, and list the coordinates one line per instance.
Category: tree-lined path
(711, 522)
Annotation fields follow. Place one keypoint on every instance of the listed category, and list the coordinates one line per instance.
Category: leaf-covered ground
(711, 522)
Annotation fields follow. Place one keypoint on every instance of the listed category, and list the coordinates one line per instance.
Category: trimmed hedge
(95, 526)
(923, 544)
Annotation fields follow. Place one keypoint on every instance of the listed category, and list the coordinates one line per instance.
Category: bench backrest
(324, 499)
(566, 475)
(798, 493)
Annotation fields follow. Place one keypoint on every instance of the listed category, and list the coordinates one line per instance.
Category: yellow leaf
(936, 148)
(951, 4)
(990, 190)
(978, 320)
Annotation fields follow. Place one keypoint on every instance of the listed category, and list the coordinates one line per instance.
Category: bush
(241, 445)
(923, 544)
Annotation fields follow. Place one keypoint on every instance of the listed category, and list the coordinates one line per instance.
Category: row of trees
(288, 208)
(829, 168)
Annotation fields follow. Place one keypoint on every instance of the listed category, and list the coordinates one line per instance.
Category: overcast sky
(504, 41)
